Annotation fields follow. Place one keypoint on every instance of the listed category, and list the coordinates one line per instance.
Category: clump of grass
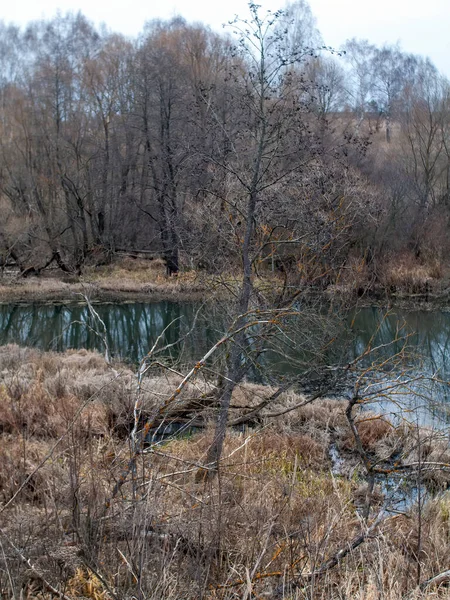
(86, 584)
(372, 430)
(407, 274)
(128, 269)
(39, 391)
(134, 274)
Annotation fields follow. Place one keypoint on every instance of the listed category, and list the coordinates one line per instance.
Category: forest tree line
(157, 143)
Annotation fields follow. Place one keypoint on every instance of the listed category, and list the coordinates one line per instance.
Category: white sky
(421, 26)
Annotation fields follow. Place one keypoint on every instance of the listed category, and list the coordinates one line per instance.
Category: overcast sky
(421, 26)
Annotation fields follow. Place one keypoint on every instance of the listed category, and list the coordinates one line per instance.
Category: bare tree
(272, 148)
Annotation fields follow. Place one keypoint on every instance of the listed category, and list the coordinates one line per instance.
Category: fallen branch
(47, 585)
(352, 545)
(331, 562)
(439, 579)
(170, 400)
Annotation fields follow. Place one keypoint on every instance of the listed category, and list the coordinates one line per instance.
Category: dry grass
(372, 430)
(274, 515)
(125, 279)
(406, 274)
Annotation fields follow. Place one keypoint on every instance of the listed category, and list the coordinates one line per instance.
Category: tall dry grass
(262, 529)
(405, 273)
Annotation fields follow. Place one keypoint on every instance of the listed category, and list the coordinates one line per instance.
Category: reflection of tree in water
(429, 335)
(7, 321)
(134, 328)
(427, 350)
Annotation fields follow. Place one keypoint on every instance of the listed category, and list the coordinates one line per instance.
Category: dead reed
(269, 526)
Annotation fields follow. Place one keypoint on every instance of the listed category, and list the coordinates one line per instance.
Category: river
(133, 328)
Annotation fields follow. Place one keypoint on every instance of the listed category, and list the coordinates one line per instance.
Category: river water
(133, 328)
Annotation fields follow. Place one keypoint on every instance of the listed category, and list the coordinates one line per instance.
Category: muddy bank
(192, 287)
(60, 291)
(188, 288)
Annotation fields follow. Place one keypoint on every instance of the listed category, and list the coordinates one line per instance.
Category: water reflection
(424, 337)
(428, 334)
(134, 328)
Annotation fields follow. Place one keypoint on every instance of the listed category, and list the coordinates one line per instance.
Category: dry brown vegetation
(141, 280)
(265, 528)
(138, 279)
(405, 273)
(124, 279)
(127, 279)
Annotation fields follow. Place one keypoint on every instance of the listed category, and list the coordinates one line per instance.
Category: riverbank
(127, 281)
(284, 519)
(139, 280)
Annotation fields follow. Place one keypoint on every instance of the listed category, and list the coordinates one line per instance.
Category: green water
(132, 329)
(422, 340)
